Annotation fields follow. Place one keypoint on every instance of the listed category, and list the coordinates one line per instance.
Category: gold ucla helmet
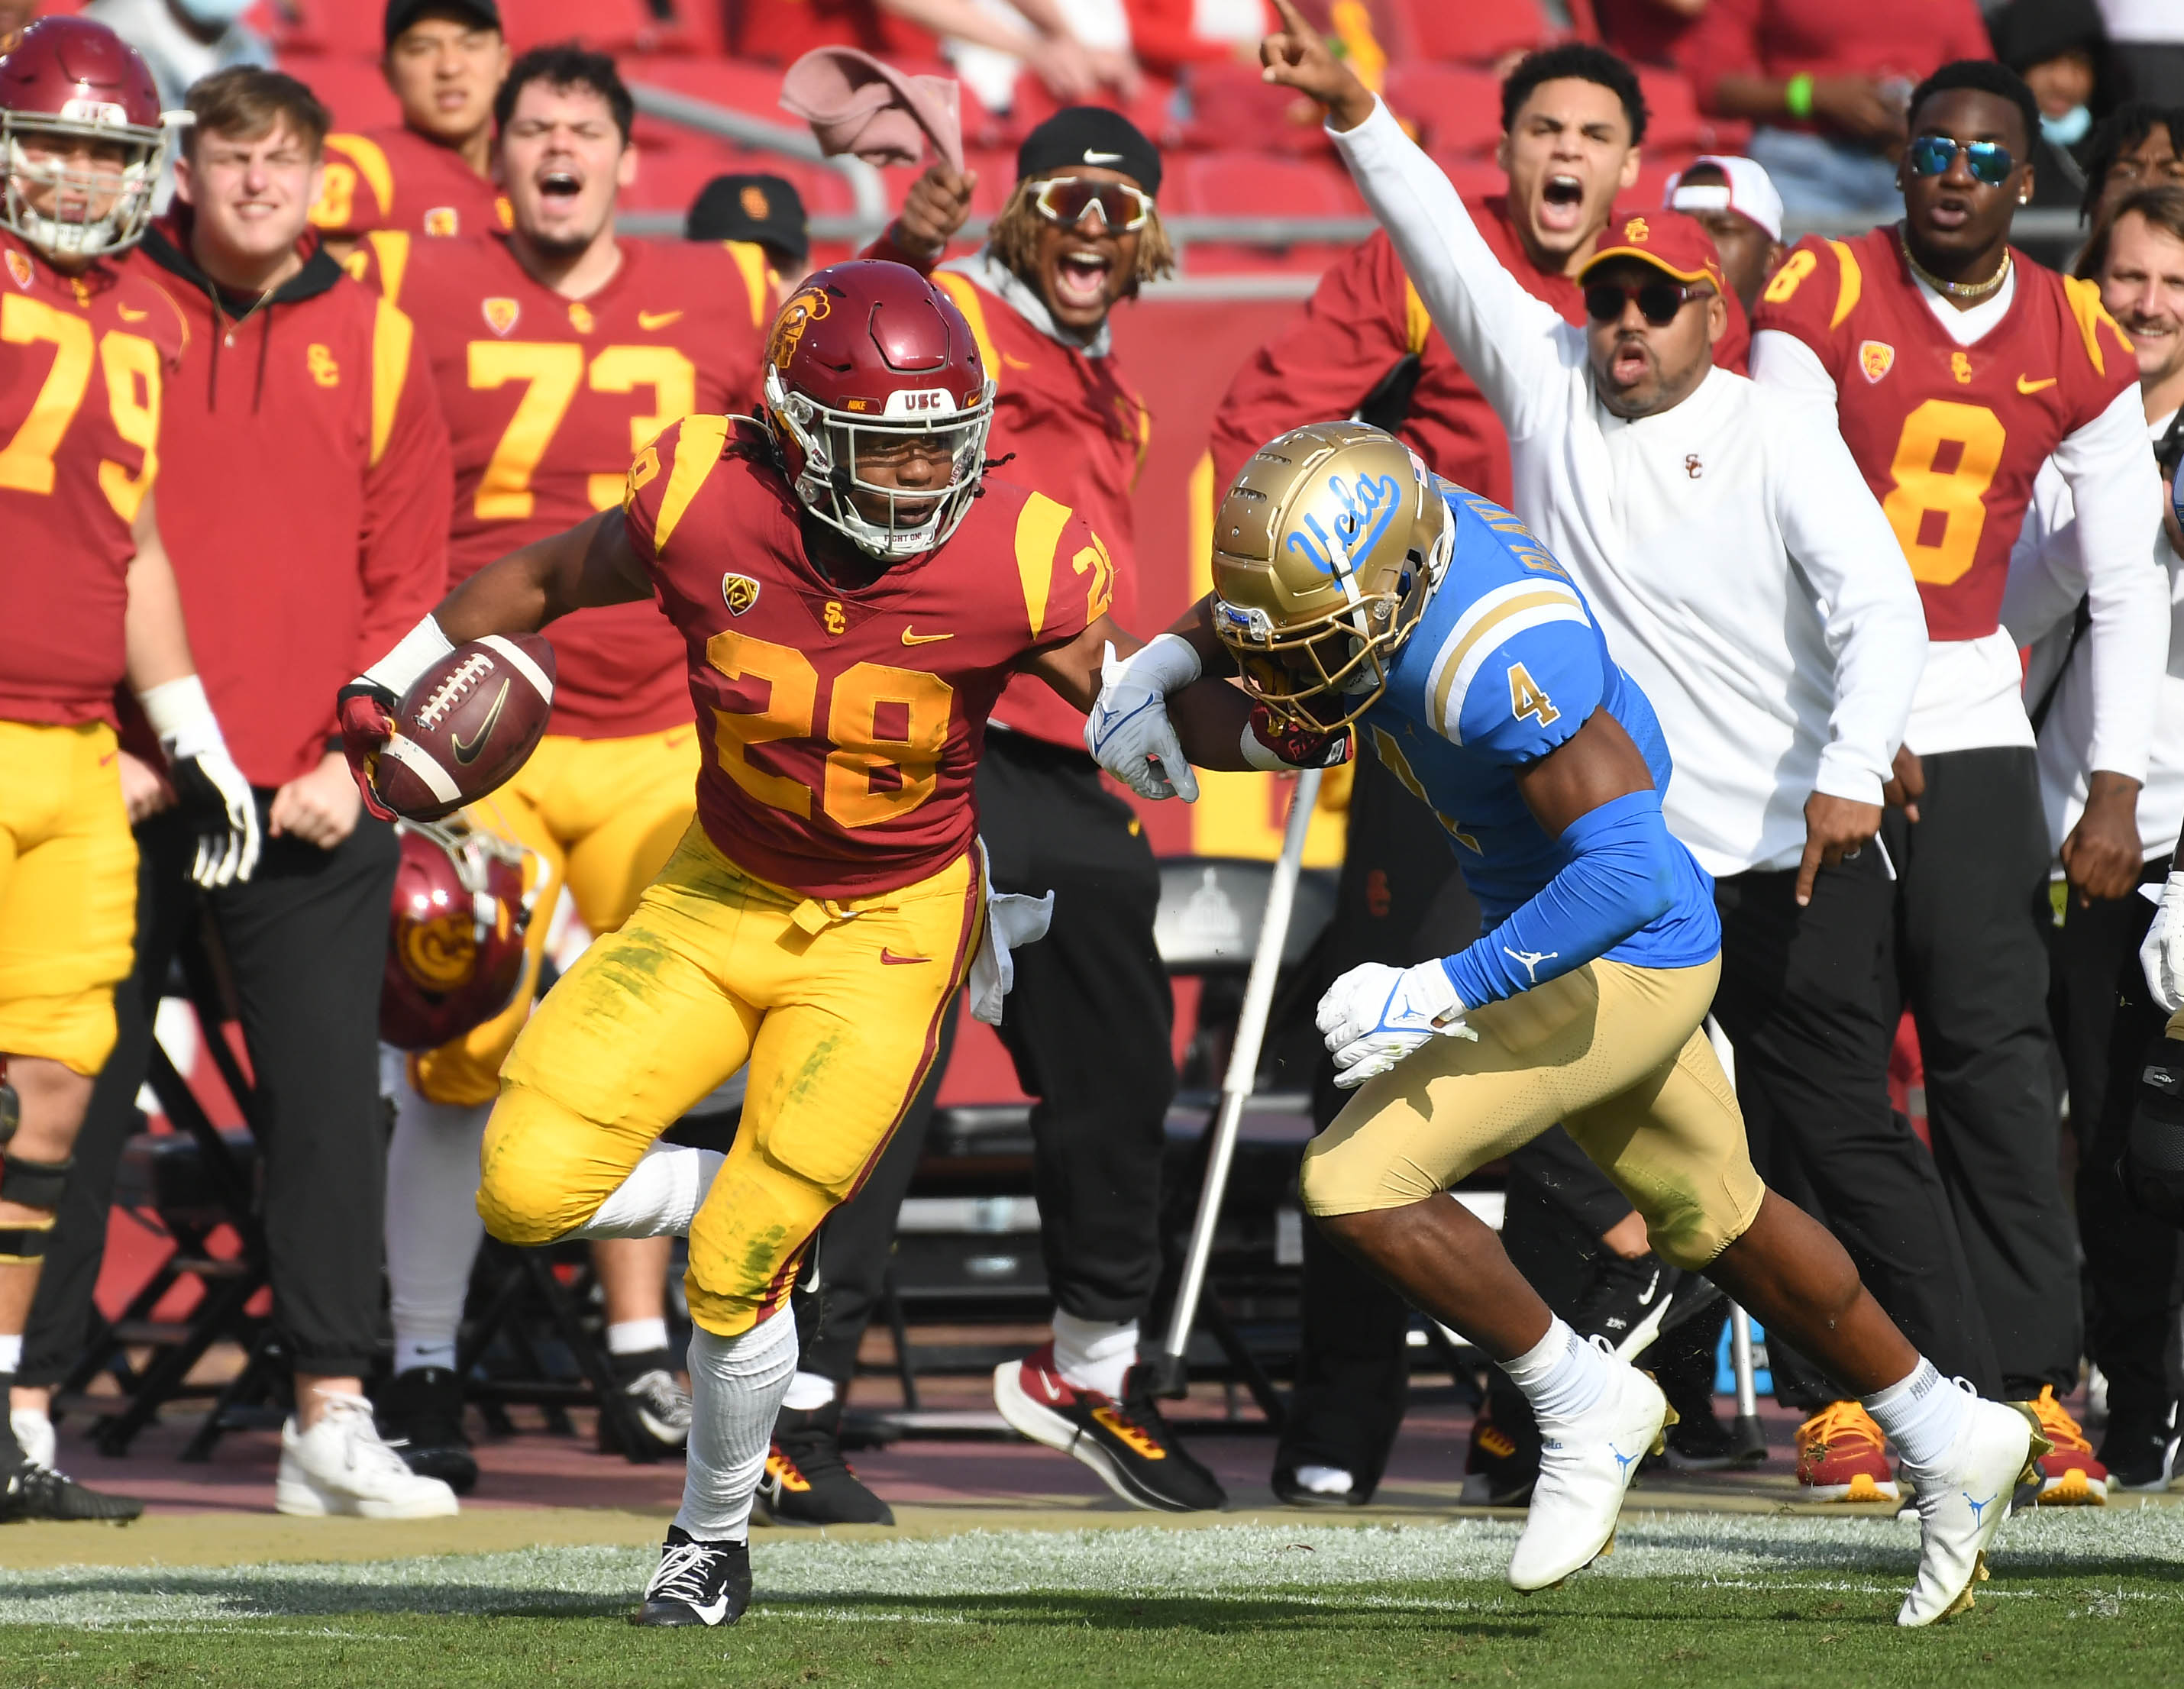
(1324, 552)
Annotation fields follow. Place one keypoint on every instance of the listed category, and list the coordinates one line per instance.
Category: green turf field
(2091, 1600)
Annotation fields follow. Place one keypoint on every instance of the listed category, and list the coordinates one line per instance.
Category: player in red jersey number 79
(853, 595)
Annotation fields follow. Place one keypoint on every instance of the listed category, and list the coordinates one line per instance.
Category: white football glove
(2161, 957)
(1375, 1015)
(1129, 732)
(209, 789)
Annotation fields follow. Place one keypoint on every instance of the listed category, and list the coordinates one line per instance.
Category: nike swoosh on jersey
(467, 754)
(910, 638)
(131, 313)
(649, 320)
(891, 960)
(2026, 386)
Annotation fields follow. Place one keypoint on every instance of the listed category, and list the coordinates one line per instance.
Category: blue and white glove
(211, 791)
(1129, 732)
(1375, 1015)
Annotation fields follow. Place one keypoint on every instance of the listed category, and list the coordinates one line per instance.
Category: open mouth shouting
(1631, 362)
(1561, 204)
(1079, 277)
(559, 188)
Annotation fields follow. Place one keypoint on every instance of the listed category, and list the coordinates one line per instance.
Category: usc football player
(1955, 367)
(89, 601)
(558, 349)
(853, 594)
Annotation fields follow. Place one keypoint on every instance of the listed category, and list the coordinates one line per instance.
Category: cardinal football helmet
(454, 946)
(1325, 550)
(864, 357)
(71, 79)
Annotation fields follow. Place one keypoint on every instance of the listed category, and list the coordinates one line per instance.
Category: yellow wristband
(1797, 95)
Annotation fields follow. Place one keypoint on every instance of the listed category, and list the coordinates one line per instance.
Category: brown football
(466, 725)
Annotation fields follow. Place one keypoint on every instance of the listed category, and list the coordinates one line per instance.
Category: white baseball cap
(1750, 192)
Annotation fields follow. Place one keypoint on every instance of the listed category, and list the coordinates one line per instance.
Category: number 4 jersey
(546, 399)
(841, 726)
(1949, 436)
(83, 365)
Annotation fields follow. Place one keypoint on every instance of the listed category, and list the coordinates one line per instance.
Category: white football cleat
(1585, 1464)
(1962, 1504)
(340, 1466)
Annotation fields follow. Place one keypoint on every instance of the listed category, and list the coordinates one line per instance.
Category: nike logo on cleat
(1979, 1508)
(1622, 1460)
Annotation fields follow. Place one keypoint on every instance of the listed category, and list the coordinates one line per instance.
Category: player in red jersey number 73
(853, 595)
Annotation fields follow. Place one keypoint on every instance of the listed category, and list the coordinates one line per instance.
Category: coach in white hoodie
(1746, 579)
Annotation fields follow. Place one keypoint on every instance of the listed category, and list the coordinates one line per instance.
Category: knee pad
(2152, 1168)
(35, 1184)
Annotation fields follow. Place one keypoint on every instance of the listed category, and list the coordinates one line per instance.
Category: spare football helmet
(1325, 550)
(864, 356)
(455, 946)
(70, 79)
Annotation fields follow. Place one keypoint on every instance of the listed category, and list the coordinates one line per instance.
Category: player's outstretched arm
(590, 565)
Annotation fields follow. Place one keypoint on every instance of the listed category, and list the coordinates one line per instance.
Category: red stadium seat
(612, 25)
(350, 87)
(1457, 108)
(1230, 106)
(343, 26)
(1475, 177)
(1470, 32)
(1674, 123)
(673, 164)
(1253, 185)
(1153, 110)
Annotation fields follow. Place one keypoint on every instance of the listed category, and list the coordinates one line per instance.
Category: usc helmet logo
(807, 307)
(440, 953)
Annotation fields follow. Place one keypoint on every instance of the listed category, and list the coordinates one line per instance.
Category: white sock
(636, 1336)
(1324, 1480)
(1094, 1354)
(736, 1387)
(1562, 1375)
(808, 1391)
(11, 1351)
(1922, 1415)
(433, 1225)
(660, 1198)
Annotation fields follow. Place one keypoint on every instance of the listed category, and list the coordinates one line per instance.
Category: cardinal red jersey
(546, 399)
(394, 178)
(84, 363)
(842, 726)
(1949, 437)
(1077, 431)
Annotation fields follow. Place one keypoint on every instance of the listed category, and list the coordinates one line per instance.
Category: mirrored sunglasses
(1932, 155)
(1066, 200)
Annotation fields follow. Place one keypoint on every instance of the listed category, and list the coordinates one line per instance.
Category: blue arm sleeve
(1619, 876)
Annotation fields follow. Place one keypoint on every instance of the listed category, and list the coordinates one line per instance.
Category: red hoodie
(304, 493)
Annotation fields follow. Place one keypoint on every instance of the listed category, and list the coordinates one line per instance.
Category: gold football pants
(836, 1004)
(603, 816)
(68, 892)
(1615, 1053)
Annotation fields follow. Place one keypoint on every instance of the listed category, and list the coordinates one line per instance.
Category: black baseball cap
(1090, 135)
(483, 15)
(764, 208)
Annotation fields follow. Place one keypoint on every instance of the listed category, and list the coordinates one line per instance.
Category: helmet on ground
(1325, 550)
(70, 80)
(454, 946)
(866, 361)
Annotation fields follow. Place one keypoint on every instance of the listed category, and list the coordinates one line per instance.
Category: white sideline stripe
(1475, 658)
(519, 660)
(420, 762)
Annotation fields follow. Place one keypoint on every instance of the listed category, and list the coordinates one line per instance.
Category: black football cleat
(1126, 1442)
(696, 1583)
(1503, 1463)
(658, 1402)
(39, 1493)
(2140, 1449)
(420, 1419)
(808, 1482)
(1626, 1301)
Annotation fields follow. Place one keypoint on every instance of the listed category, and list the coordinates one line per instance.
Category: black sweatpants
(1802, 1000)
(1972, 915)
(2105, 1021)
(305, 939)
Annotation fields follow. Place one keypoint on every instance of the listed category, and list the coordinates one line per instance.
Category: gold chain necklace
(1954, 290)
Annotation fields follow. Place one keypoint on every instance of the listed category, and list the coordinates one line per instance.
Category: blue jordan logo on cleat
(1979, 1508)
(1623, 1461)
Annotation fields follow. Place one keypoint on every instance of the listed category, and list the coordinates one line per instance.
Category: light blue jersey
(1505, 664)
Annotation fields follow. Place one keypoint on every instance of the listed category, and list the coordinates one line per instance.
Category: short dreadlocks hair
(1014, 239)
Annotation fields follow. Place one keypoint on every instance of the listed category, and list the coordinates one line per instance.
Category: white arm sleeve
(2117, 493)
(1876, 624)
(1785, 363)
(1515, 347)
(2046, 577)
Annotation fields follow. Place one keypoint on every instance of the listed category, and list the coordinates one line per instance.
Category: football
(466, 725)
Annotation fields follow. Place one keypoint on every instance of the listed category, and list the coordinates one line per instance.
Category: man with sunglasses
(1954, 367)
(1746, 578)
(1088, 1019)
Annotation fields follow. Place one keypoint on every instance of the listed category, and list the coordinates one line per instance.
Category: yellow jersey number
(888, 727)
(130, 366)
(552, 372)
(1946, 459)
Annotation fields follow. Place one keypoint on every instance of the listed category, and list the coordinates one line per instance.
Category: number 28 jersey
(841, 726)
(1949, 437)
(546, 399)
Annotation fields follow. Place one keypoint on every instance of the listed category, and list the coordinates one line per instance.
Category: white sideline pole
(1236, 1087)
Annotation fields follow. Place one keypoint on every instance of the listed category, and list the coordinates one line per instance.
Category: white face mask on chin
(2067, 130)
